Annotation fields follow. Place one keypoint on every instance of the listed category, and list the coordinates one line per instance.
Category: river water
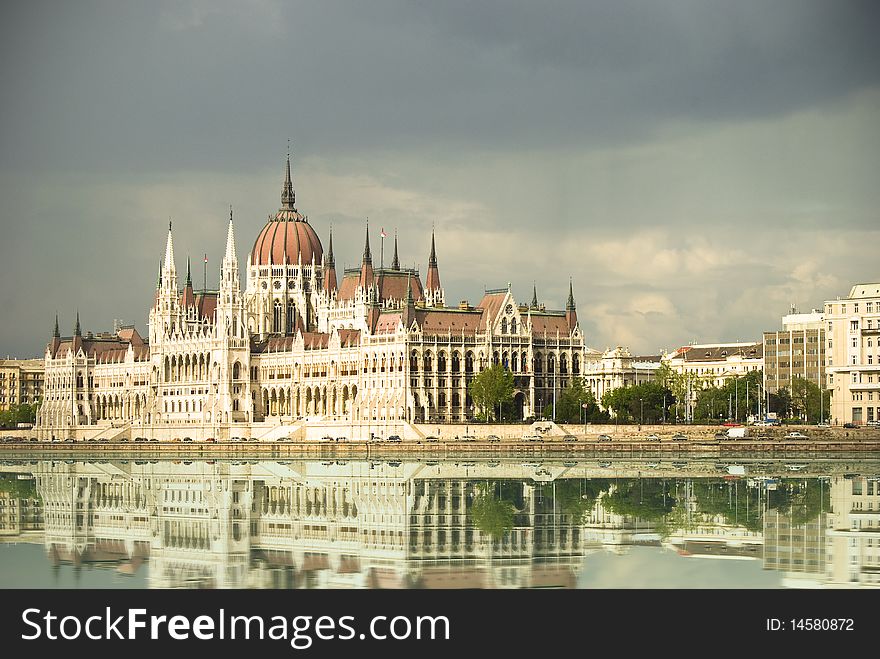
(585, 522)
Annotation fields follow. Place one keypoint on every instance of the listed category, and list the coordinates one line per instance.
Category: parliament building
(302, 347)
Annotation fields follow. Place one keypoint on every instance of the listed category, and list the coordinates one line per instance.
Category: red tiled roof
(316, 340)
(491, 304)
(444, 321)
(387, 322)
(349, 337)
(550, 324)
(392, 285)
(206, 303)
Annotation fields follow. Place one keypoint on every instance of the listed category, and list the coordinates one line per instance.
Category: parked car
(604, 438)
(432, 438)
(569, 438)
(794, 434)
(722, 436)
(532, 438)
(679, 437)
(211, 440)
(187, 439)
(394, 438)
(493, 438)
(873, 424)
(653, 437)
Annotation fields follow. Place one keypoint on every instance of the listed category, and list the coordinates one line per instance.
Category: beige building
(853, 354)
(798, 350)
(853, 535)
(21, 382)
(617, 367)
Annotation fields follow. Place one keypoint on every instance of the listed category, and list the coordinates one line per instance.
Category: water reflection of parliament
(357, 525)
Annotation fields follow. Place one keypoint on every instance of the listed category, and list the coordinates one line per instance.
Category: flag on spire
(382, 232)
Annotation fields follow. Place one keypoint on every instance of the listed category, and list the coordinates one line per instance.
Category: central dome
(288, 237)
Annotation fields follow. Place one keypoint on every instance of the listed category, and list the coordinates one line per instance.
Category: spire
(330, 260)
(368, 257)
(366, 280)
(432, 260)
(169, 250)
(534, 304)
(409, 293)
(159, 281)
(288, 196)
(432, 282)
(395, 262)
(76, 330)
(570, 312)
(230, 240)
(56, 333)
(189, 281)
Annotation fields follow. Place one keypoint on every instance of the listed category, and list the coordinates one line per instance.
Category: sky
(695, 167)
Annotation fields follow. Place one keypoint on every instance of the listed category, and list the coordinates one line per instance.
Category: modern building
(21, 382)
(372, 351)
(797, 351)
(853, 354)
(853, 535)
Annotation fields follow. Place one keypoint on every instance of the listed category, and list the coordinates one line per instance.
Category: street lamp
(641, 413)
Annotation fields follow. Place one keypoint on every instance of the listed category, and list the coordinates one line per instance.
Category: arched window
(469, 362)
(513, 325)
(504, 325)
(276, 322)
(428, 362)
(290, 317)
(575, 364)
(236, 371)
(441, 362)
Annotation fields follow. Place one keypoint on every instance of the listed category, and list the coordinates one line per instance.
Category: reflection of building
(20, 516)
(854, 532)
(853, 350)
(303, 525)
(796, 351)
(377, 346)
(796, 549)
(605, 371)
(21, 382)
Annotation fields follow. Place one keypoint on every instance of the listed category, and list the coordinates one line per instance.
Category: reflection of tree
(21, 489)
(734, 501)
(577, 497)
(803, 500)
(646, 499)
(492, 516)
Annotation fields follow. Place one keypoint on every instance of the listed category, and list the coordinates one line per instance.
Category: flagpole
(205, 281)
(382, 248)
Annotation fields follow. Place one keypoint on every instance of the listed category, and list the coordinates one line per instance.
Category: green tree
(647, 499)
(641, 402)
(805, 403)
(569, 407)
(492, 516)
(492, 388)
(18, 414)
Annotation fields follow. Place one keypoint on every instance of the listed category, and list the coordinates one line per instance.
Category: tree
(18, 414)
(569, 408)
(647, 499)
(805, 402)
(641, 402)
(492, 516)
(780, 402)
(491, 388)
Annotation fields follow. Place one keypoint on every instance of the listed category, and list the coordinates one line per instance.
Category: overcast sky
(695, 167)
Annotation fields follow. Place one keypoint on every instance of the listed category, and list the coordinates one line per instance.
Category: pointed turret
(534, 304)
(169, 250)
(330, 268)
(56, 333)
(432, 283)
(288, 196)
(570, 310)
(409, 307)
(188, 299)
(229, 280)
(395, 262)
(366, 278)
(76, 330)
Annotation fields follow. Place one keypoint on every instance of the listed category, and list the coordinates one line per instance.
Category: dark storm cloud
(217, 85)
(619, 141)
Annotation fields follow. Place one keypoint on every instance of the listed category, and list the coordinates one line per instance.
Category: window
(842, 308)
(853, 325)
(869, 307)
